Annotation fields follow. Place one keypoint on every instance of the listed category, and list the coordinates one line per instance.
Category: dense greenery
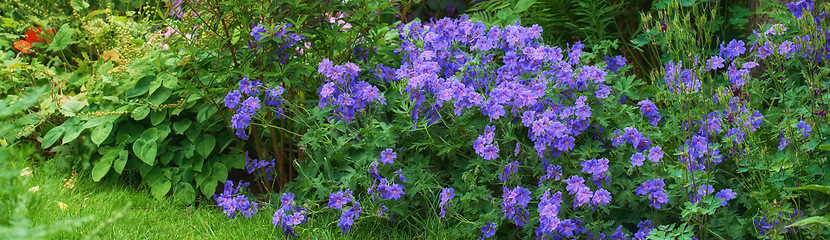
(438, 119)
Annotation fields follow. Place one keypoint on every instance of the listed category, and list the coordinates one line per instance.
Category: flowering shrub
(458, 77)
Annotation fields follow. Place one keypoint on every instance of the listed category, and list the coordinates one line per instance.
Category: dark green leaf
(146, 151)
(62, 38)
(103, 167)
(101, 132)
(204, 144)
(160, 95)
(220, 172)
(121, 162)
(140, 113)
(180, 126)
(184, 194)
(52, 136)
(820, 188)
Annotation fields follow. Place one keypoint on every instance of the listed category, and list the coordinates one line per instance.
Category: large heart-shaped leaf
(204, 144)
(146, 151)
(160, 188)
(101, 132)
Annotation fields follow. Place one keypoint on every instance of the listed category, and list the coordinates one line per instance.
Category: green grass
(114, 210)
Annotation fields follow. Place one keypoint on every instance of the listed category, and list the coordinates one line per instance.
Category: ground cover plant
(330, 119)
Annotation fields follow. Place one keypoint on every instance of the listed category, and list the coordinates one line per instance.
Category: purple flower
(734, 49)
(249, 88)
(347, 217)
(655, 154)
(489, 229)
(637, 159)
(574, 184)
(583, 196)
(648, 109)
(776, 29)
(726, 195)
(233, 99)
(798, 8)
(249, 106)
(387, 156)
(714, 63)
(445, 196)
(601, 196)
(804, 129)
(337, 200)
(258, 32)
(490, 152)
(786, 48)
(240, 121)
(394, 191)
(510, 168)
(614, 64)
(782, 141)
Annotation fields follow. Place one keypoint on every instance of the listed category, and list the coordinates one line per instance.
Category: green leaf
(184, 194)
(209, 186)
(810, 220)
(52, 136)
(79, 5)
(140, 113)
(205, 113)
(72, 133)
(103, 167)
(820, 188)
(204, 144)
(62, 39)
(180, 126)
(101, 132)
(160, 95)
(220, 172)
(504, 13)
(146, 151)
(150, 135)
(141, 87)
(160, 188)
(168, 81)
(121, 162)
(157, 117)
(523, 5)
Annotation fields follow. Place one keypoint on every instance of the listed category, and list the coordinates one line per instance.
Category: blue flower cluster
(260, 33)
(514, 203)
(247, 109)
(654, 189)
(452, 61)
(485, 146)
(233, 201)
(337, 201)
(444, 197)
(252, 165)
(649, 110)
(345, 91)
(800, 7)
(509, 168)
(289, 215)
(488, 230)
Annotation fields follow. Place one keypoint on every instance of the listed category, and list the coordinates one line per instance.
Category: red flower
(31, 35)
(22, 46)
